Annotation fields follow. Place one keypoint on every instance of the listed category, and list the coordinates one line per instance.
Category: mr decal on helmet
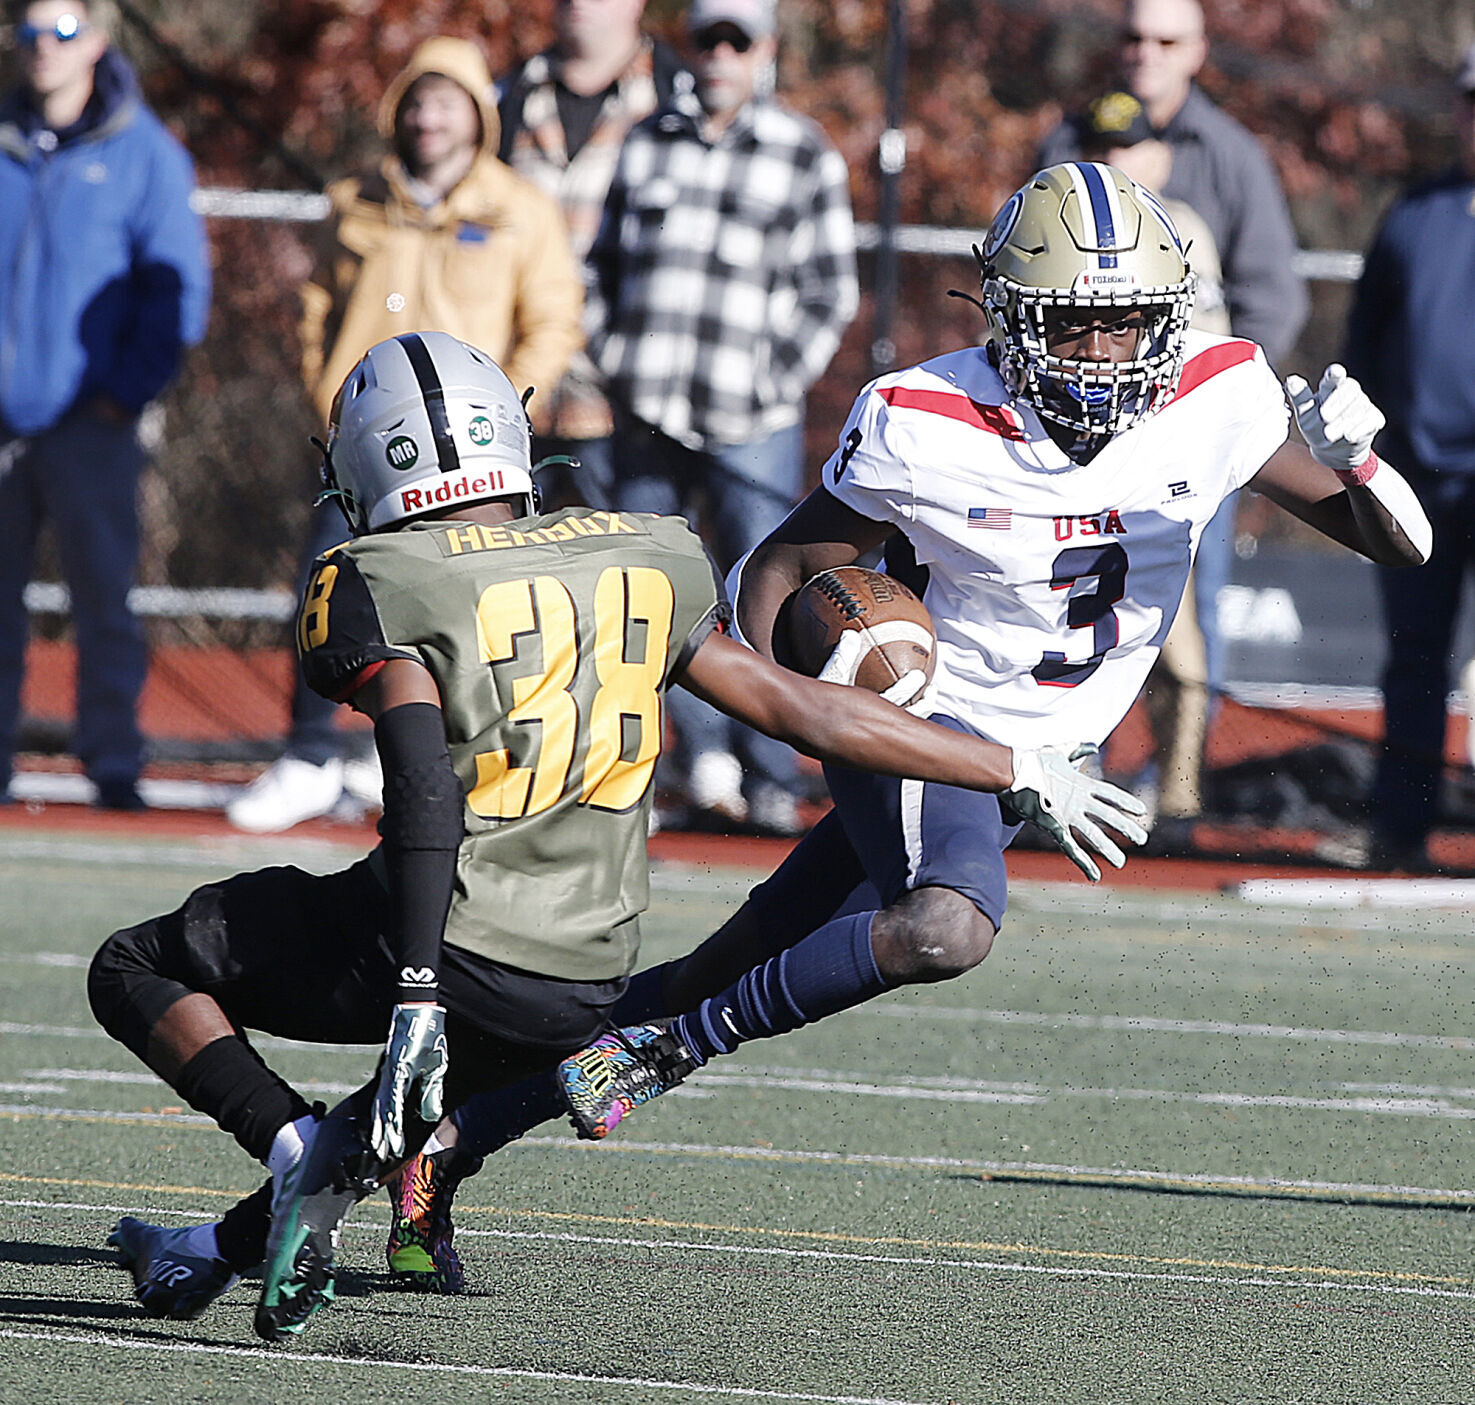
(1076, 242)
(425, 422)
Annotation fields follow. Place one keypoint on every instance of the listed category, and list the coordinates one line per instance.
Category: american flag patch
(996, 519)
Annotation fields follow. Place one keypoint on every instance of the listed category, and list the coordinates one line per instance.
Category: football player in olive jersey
(513, 665)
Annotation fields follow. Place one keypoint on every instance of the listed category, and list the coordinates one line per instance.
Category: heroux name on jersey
(1053, 583)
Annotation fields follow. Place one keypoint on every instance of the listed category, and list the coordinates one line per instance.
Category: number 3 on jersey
(1093, 609)
(624, 715)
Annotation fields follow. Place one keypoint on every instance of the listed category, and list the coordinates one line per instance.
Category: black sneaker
(420, 1252)
(118, 795)
(308, 1209)
(621, 1070)
(168, 1280)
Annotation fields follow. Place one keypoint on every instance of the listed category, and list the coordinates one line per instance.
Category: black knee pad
(133, 980)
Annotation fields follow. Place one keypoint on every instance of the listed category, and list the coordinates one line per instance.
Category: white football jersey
(1052, 584)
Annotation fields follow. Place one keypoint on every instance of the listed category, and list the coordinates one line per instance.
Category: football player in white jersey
(1044, 491)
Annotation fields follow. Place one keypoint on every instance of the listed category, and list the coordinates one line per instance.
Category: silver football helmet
(1079, 238)
(422, 423)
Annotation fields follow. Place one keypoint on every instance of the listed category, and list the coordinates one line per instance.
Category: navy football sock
(489, 1121)
(830, 970)
(644, 999)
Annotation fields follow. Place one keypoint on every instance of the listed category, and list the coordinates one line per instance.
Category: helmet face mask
(1077, 244)
(425, 423)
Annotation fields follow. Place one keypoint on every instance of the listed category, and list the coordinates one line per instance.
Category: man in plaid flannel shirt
(565, 114)
(723, 276)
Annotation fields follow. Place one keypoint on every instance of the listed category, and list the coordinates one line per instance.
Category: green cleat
(308, 1210)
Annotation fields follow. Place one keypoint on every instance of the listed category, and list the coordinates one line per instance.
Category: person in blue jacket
(104, 280)
(1411, 342)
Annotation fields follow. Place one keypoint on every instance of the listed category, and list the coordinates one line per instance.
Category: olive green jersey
(552, 640)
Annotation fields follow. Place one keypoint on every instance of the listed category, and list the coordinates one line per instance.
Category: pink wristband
(1356, 477)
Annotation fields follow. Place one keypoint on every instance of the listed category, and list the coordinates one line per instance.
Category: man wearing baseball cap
(723, 278)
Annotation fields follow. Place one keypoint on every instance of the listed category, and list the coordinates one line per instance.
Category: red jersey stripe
(993, 419)
(1211, 362)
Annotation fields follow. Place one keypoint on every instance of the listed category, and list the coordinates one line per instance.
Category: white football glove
(1050, 789)
(845, 659)
(1337, 420)
(415, 1063)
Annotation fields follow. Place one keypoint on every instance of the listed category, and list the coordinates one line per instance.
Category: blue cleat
(169, 1280)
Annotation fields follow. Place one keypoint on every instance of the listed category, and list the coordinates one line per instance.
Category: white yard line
(1383, 1101)
(889, 1009)
(1293, 1278)
(282, 1359)
(1151, 1024)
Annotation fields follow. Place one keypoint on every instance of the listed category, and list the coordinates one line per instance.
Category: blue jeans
(81, 476)
(737, 494)
(1420, 607)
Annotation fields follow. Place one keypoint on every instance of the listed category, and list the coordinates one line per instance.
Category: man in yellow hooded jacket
(442, 236)
(439, 236)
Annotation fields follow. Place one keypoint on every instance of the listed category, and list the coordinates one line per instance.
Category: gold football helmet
(1082, 237)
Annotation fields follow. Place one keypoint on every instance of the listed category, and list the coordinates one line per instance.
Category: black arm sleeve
(422, 828)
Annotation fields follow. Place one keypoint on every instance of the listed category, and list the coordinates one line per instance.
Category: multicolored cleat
(604, 1083)
(420, 1249)
(168, 1279)
(308, 1209)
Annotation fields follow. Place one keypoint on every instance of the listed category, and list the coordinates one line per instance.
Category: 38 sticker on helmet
(423, 422)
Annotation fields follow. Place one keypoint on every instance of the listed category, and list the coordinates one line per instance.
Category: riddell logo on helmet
(1115, 279)
(479, 484)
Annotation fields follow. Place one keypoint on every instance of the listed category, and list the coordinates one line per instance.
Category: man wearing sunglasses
(104, 281)
(723, 275)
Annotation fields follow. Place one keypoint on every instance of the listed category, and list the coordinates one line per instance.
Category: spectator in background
(104, 280)
(1410, 341)
(565, 114)
(1220, 169)
(1115, 129)
(723, 276)
(441, 236)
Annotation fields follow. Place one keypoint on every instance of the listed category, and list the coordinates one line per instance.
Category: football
(895, 631)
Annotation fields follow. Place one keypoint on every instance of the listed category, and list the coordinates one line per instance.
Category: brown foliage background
(1351, 99)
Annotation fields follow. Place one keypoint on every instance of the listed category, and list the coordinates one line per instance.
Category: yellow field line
(978, 1246)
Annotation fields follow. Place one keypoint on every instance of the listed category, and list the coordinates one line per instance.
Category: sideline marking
(826, 1237)
(279, 1357)
(1412, 1285)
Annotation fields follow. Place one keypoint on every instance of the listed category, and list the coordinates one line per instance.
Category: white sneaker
(285, 794)
(716, 785)
(363, 778)
(775, 812)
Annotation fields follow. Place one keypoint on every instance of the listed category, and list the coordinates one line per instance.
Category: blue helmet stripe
(1100, 211)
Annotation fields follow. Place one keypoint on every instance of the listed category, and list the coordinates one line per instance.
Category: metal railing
(299, 207)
